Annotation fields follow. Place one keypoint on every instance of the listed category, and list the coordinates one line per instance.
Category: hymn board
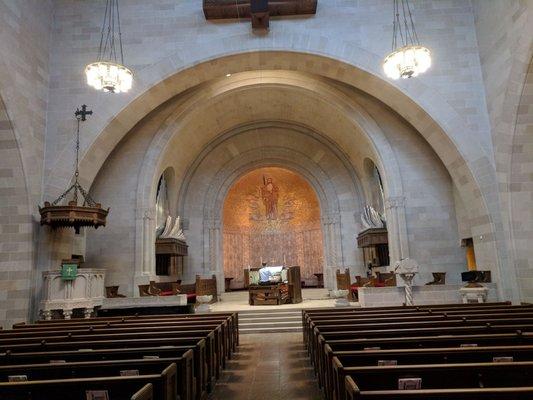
(259, 11)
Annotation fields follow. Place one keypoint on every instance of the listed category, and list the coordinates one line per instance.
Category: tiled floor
(270, 366)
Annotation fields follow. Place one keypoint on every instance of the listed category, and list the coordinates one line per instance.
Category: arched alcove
(272, 215)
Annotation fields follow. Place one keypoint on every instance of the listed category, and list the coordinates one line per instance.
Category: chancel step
(263, 321)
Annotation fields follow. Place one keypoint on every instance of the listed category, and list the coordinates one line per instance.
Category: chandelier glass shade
(407, 62)
(408, 58)
(108, 72)
(109, 77)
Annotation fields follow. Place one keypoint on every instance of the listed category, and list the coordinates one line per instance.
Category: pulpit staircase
(269, 321)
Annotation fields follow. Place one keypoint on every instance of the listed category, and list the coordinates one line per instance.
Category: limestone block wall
(205, 159)
(114, 247)
(430, 207)
(505, 38)
(161, 36)
(25, 28)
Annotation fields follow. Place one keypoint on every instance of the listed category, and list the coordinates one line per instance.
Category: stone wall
(211, 146)
(25, 28)
(482, 50)
(505, 38)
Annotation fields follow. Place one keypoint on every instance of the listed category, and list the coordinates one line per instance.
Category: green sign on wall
(69, 271)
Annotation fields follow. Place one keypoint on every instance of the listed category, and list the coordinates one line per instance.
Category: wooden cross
(258, 10)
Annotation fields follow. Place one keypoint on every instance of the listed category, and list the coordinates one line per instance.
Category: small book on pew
(17, 378)
(502, 359)
(96, 395)
(383, 363)
(409, 383)
(372, 348)
(150, 357)
(58, 361)
(129, 372)
(468, 344)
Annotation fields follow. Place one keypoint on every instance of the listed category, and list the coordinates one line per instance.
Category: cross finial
(83, 113)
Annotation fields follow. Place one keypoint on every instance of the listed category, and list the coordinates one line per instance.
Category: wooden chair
(344, 282)
(160, 289)
(206, 287)
(386, 278)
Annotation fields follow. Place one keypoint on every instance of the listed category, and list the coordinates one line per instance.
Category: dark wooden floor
(269, 366)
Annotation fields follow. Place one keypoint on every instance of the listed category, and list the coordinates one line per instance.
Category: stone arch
(468, 164)
(318, 179)
(508, 155)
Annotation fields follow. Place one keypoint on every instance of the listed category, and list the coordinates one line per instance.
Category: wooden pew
(471, 375)
(503, 393)
(327, 333)
(145, 393)
(213, 347)
(232, 317)
(223, 345)
(409, 332)
(201, 370)
(413, 342)
(229, 323)
(443, 355)
(119, 387)
(84, 369)
(404, 312)
(211, 337)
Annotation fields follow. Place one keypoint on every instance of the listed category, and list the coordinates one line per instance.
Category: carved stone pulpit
(84, 291)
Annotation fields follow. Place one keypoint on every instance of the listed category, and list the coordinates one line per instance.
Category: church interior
(266, 199)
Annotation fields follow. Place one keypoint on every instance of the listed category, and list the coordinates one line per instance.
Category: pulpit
(375, 245)
(84, 290)
(169, 253)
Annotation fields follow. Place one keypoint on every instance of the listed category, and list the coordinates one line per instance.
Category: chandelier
(72, 214)
(108, 73)
(408, 58)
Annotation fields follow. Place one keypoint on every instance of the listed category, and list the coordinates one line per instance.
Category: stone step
(268, 321)
(269, 315)
(275, 323)
(245, 331)
(272, 318)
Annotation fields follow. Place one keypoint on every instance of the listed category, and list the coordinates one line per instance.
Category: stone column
(397, 228)
(144, 248)
(214, 252)
(333, 258)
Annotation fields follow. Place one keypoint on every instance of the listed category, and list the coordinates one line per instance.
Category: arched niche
(272, 215)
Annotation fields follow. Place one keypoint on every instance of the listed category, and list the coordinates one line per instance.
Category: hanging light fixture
(108, 73)
(72, 214)
(408, 58)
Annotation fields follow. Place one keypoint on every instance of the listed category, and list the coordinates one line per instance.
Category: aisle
(270, 366)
